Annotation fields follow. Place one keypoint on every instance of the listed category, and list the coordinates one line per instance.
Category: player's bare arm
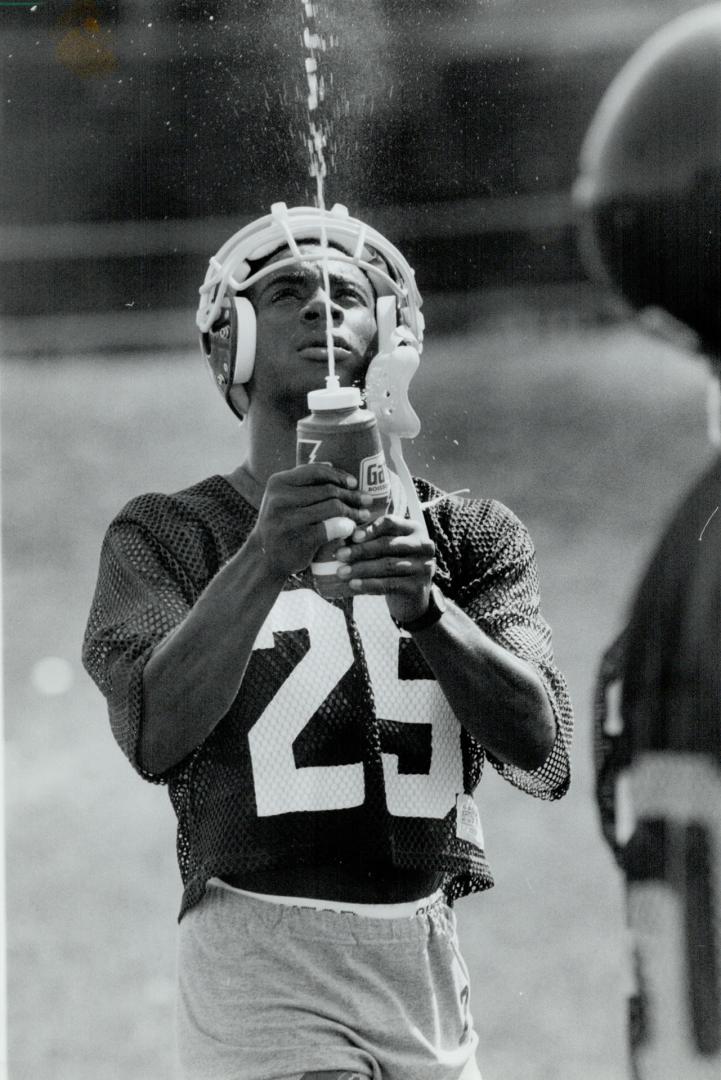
(195, 673)
(497, 696)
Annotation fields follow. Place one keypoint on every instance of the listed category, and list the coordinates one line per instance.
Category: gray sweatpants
(268, 992)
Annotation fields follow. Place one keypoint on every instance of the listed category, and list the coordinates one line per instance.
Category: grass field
(588, 428)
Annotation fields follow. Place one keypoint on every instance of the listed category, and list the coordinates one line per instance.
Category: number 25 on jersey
(280, 786)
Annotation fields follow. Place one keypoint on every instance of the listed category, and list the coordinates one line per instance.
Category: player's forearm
(194, 675)
(499, 698)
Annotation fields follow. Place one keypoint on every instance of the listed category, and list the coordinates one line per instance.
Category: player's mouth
(317, 349)
(320, 352)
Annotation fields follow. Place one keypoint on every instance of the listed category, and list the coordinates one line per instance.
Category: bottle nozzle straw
(328, 312)
(332, 382)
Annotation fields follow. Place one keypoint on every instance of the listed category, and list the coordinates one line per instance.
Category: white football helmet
(226, 318)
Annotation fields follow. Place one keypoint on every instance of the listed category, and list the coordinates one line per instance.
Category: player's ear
(239, 400)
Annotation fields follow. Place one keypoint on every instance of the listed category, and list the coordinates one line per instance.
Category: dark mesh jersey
(340, 744)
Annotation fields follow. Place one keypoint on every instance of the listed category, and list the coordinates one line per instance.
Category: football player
(651, 228)
(321, 756)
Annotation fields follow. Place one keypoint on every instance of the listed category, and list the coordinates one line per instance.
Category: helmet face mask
(225, 316)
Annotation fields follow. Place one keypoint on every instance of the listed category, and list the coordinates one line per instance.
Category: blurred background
(137, 136)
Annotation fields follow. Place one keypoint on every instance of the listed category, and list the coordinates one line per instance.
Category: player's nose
(317, 306)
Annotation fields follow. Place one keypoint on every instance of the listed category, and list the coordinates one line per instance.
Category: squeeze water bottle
(342, 433)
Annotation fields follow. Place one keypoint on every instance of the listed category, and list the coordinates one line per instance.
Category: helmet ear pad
(230, 342)
(229, 348)
(243, 334)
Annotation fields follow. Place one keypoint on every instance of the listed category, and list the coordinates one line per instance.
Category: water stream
(316, 45)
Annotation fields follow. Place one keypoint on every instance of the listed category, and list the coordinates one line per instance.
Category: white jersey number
(280, 786)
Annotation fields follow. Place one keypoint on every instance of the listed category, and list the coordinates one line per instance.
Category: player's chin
(354, 360)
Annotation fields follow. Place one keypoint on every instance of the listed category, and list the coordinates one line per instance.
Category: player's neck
(271, 444)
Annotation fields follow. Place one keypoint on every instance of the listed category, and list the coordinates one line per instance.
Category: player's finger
(338, 528)
(312, 494)
(318, 472)
(385, 546)
(315, 496)
(384, 568)
(380, 586)
(305, 516)
(387, 525)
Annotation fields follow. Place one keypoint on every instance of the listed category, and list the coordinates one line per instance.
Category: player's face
(292, 316)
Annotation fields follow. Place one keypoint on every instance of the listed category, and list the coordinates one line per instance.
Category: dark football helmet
(649, 189)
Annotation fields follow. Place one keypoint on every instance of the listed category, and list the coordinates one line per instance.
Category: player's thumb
(338, 528)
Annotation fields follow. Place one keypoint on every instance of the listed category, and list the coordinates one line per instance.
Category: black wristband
(436, 607)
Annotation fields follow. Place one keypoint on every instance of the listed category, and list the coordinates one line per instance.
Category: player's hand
(302, 509)
(391, 557)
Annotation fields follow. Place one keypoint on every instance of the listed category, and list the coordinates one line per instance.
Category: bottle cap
(335, 397)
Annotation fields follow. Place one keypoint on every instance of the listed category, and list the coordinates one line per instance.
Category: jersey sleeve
(143, 591)
(492, 565)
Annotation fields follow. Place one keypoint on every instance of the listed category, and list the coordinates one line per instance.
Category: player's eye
(285, 292)
(349, 293)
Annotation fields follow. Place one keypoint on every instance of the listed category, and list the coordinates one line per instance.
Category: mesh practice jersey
(666, 661)
(658, 787)
(340, 745)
